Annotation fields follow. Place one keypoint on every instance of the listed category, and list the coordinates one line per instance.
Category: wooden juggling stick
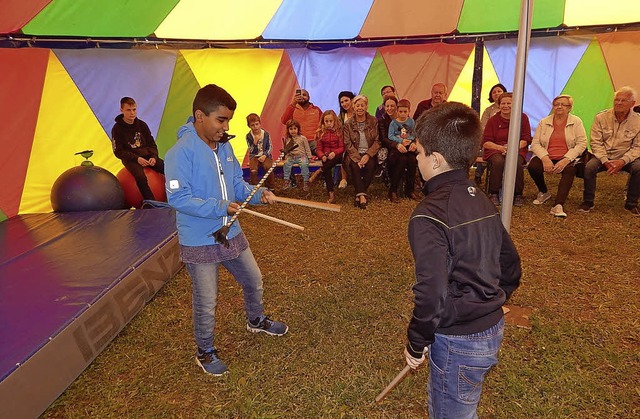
(221, 235)
(397, 380)
(310, 204)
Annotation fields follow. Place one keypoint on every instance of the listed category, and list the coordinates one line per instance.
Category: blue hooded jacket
(200, 184)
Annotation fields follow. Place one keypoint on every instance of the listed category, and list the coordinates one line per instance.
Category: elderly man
(438, 95)
(615, 145)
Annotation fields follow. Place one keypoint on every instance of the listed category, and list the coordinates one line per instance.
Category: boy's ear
(199, 115)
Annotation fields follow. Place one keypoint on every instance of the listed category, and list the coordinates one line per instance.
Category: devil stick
(221, 235)
(397, 380)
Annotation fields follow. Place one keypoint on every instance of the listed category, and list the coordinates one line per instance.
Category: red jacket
(309, 119)
(330, 141)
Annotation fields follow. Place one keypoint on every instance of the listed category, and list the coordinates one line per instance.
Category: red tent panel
(23, 72)
(621, 51)
(17, 13)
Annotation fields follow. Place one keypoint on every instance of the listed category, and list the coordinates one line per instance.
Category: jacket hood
(188, 127)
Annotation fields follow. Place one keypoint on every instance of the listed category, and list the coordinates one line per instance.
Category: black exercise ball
(87, 188)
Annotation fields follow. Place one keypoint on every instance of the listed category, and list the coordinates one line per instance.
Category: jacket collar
(437, 181)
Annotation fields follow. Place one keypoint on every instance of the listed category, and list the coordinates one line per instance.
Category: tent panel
(246, 74)
(504, 15)
(550, 64)
(23, 74)
(426, 17)
(16, 13)
(324, 74)
(234, 19)
(104, 76)
(178, 106)
(590, 72)
(318, 19)
(621, 52)
(122, 19)
(598, 12)
(463, 92)
(277, 100)
(415, 68)
(376, 77)
(65, 126)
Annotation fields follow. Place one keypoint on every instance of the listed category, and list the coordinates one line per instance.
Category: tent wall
(54, 103)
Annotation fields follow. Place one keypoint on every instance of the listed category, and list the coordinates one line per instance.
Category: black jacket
(131, 141)
(466, 265)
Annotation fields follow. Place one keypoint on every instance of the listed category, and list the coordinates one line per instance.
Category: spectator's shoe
(585, 206)
(305, 186)
(518, 201)
(558, 211)
(542, 198)
(266, 325)
(342, 184)
(494, 199)
(633, 210)
(210, 363)
(287, 184)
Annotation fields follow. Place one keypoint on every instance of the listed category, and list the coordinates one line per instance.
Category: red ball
(132, 195)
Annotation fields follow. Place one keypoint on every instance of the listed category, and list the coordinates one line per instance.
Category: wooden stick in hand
(310, 204)
(398, 378)
(274, 219)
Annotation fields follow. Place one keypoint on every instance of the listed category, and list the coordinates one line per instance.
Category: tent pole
(524, 36)
(476, 83)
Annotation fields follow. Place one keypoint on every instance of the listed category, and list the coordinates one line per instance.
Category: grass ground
(344, 288)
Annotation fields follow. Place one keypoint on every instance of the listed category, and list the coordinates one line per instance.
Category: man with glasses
(615, 145)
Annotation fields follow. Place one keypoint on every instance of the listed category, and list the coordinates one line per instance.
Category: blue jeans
(303, 162)
(204, 279)
(458, 365)
(594, 166)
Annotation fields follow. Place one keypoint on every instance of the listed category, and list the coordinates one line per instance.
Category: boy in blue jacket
(203, 183)
(466, 266)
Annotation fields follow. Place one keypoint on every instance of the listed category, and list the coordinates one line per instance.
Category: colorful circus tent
(64, 64)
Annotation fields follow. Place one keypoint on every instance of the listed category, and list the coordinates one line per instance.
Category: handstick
(310, 204)
(274, 219)
(393, 383)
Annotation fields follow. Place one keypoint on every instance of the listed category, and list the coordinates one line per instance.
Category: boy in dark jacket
(466, 265)
(134, 145)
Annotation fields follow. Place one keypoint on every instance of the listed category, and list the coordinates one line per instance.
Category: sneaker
(558, 211)
(633, 210)
(342, 184)
(542, 198)
(585, 206)
(268, 326)
(210, 363)
(518, 201)
(494, 199)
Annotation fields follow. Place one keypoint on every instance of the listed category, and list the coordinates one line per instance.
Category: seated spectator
(401, 132)
(615, 144)
(558, 143)
(390, 111)
(259, 149)
(300, 155)
(438, 96)
(493, 109)
(361, 143)
(345, 103)
(385, 91)
(134, 145)
(494, 144)
(329, 148)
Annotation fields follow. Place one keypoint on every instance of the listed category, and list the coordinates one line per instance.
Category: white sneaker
(342, 184)
(558, 211)
(542, 198)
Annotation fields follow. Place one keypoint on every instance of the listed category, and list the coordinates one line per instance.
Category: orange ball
(132, 195)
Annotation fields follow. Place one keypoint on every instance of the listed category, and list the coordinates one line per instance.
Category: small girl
(299, 155)
(330, 147)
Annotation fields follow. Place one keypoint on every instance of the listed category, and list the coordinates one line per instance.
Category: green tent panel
(2, 216)
(504, 15)
(177, 109)
(121, 19)
(590, 71)
(377, 76)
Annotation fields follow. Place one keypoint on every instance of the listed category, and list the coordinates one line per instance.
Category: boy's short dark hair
(210, 98)
(127, 101)
(252, 117)
(453, 130)
(404, 103)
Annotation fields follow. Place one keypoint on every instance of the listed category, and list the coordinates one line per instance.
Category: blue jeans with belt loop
(458, 365)
(204, 278)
